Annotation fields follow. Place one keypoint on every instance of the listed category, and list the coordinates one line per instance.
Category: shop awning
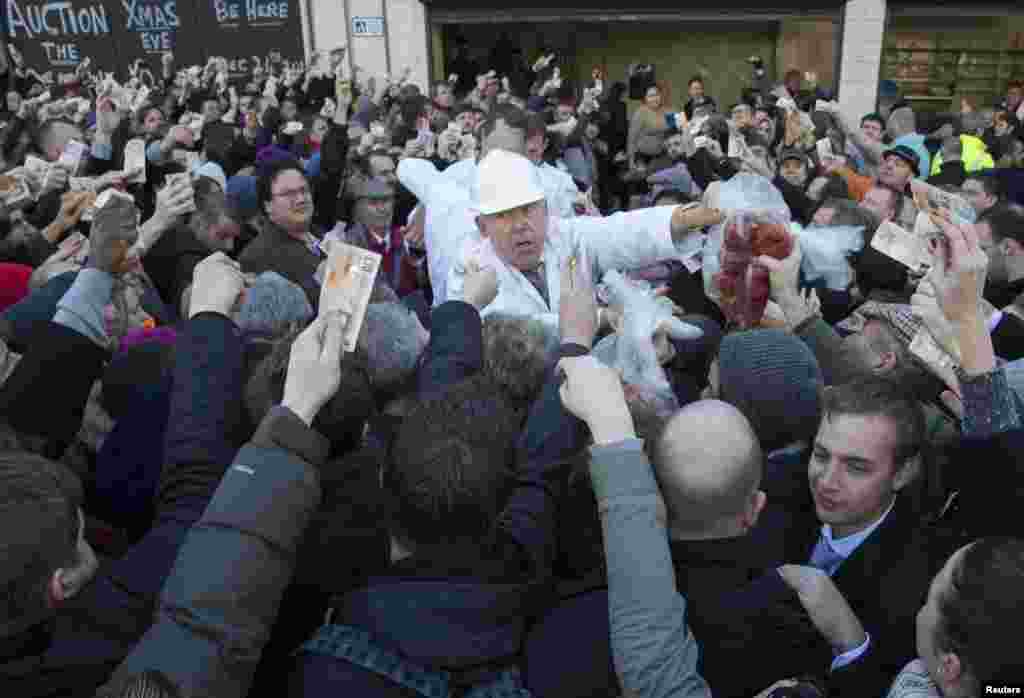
(476, 11)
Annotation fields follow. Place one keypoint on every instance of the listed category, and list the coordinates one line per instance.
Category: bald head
(708, 462)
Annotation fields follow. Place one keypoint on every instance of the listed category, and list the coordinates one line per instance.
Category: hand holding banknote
(314, 367)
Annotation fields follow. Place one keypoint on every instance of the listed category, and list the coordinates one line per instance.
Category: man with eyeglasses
(286, 244)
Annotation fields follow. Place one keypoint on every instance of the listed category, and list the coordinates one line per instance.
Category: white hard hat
(507, 181)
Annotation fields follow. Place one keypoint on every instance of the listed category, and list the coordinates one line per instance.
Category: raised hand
(577, 308)
(314, 368)
(593, 392)
(217, 285)
(480, 286)
(114, 231)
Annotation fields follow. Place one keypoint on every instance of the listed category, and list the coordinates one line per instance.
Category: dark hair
(412, 109)
(45, 130)
(513, 116)
(678, 196)
(983, 608)
(1006, 221)
(451, 465)
(695, 78)
(835, 188)
(272, 119)
(873, 116)
(148, 684)
(1015, 85)
(988, 181)
(218, 139)
(265, 184)
(48, 495)
(871, 396)
(144, 112)
(536, 125)
(341, 420)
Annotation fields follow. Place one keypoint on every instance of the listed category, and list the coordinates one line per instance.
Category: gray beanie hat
(772, 377)
(272, 304)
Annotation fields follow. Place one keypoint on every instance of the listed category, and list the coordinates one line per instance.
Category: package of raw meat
(745, 192)
(744, 287)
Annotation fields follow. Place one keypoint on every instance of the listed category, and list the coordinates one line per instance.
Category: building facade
(935, 54)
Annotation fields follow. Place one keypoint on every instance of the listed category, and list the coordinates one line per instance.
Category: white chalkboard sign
(367, 26)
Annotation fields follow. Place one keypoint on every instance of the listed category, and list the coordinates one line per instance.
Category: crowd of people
(641, 405)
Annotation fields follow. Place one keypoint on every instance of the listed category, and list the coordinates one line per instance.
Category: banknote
(910, 249)
(933, 200)
(135, 159)
(14, 192)
(349, 278)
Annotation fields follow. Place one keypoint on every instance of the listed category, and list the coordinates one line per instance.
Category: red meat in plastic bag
(745, 287)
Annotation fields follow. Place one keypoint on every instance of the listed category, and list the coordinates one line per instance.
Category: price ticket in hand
(349, 278)
(14, 192)
(135, 160)
(911, 249)
(824, 147)
(933, 201)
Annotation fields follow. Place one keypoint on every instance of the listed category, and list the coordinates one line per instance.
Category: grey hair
(272, 305)
(517, 353)
(903, 120)
(973, 123)
(952, 148)
(393, 340)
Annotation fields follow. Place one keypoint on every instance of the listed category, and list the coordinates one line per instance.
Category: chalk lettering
(56, 19)
(145, 17)
(64, 54)
(156, 41)
(226, 11)
(266, 10)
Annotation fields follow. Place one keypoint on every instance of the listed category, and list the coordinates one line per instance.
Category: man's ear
(887, 362)
(483, 232)
(950, 670)
(754, 508)
(907, 473)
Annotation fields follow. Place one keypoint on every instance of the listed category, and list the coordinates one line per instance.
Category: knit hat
(212, 170)
(775, 381)
(242, 198)
(13, 283)
(271, 304)
(908, 155)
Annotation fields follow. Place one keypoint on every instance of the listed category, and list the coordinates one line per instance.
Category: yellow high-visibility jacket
(976, 156)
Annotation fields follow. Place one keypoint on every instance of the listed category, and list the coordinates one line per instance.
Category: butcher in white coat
(509, 228)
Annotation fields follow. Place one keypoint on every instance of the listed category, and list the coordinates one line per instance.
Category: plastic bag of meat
(744, 192)
(744, 287)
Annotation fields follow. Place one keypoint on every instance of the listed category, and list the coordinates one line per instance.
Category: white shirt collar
(846, 546)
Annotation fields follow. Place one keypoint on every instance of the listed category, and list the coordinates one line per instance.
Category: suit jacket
(743, 617)
(886, 579)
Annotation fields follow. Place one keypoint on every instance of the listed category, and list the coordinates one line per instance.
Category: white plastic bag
(631, 350)
(826, 251)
